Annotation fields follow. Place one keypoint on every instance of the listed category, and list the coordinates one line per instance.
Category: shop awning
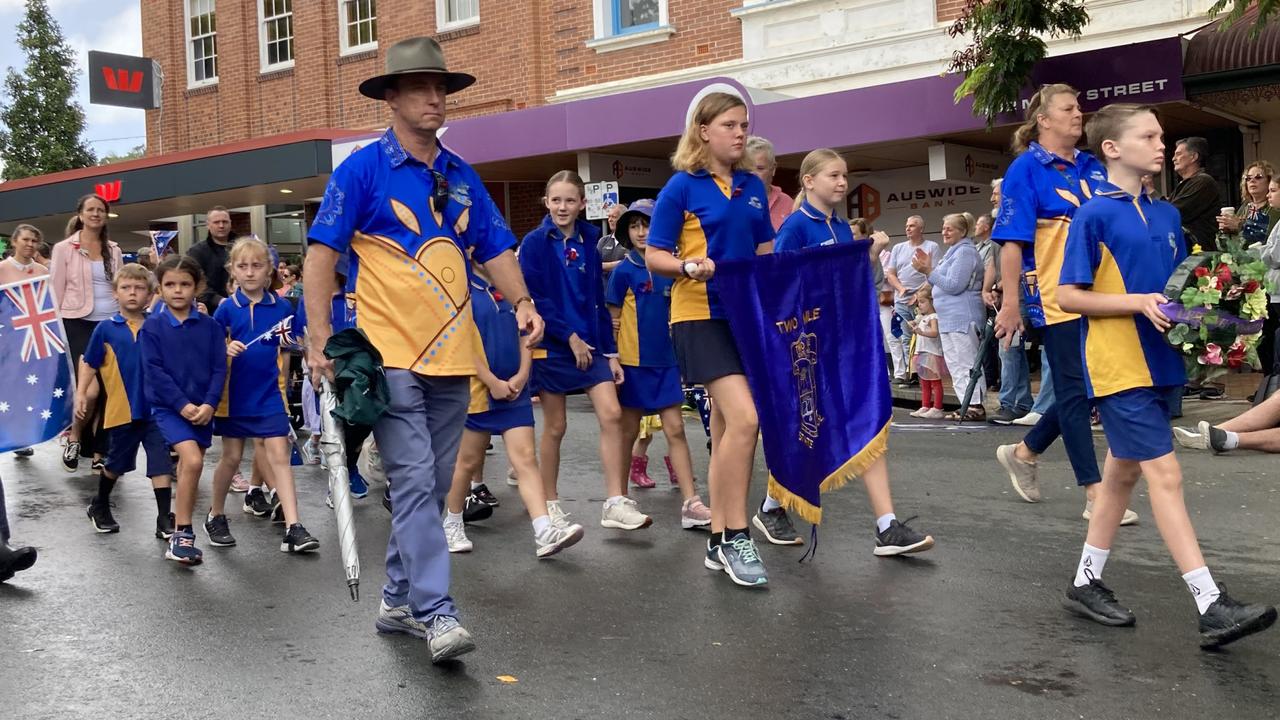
(1228, 58)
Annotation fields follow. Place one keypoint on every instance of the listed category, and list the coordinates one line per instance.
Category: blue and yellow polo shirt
(703, 215)
(1119, 244)
(810, 227)
(407, 277)
(256, 379)
(1040, 194)
(644, 334)
(500, 339)
(565, 279)
(113, 351)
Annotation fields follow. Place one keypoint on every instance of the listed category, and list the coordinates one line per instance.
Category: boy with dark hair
(1120, 250)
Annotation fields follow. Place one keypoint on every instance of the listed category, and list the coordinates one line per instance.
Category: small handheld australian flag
(36, 387)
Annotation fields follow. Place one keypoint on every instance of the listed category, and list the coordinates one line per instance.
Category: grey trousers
(418, 439)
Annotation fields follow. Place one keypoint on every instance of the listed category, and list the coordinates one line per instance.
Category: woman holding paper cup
(1253, 220)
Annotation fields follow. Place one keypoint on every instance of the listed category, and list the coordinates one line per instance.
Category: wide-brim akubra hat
(415, 55)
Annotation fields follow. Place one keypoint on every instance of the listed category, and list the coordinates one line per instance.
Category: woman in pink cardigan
(82, 269)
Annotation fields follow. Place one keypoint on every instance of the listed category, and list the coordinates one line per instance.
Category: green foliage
(1266, 10)
(41, 122)
(136, 152)
(1006, 41)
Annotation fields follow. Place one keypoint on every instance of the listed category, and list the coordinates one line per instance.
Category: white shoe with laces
(624, 514)
(554, 539)
(558, 516)
(456, 535)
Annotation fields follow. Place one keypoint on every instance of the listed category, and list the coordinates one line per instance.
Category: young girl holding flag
(253, 405)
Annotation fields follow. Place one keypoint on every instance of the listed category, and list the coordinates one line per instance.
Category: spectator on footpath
(612, 252)
(987, 253)
(764, 164)
(146, 259)
(905, 280)
(211, 255)
(1257, 428)
(1197, 197)
(1253, 220)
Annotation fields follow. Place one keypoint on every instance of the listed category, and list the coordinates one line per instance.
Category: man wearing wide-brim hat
(403, 213)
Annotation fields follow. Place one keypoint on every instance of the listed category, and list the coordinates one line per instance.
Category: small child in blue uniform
(184, 357)
(115, 354)
(501, 403)
(641, 302)
(823, 186)
(1120, 251)
(253, 405)
(562, 268)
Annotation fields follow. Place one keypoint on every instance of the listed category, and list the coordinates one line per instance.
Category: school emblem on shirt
(804, 358)
(755, 203)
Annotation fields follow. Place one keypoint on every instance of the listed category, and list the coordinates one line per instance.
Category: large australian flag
(807, 325)
(36, 386)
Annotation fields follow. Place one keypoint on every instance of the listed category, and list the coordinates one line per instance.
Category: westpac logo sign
(123, 80)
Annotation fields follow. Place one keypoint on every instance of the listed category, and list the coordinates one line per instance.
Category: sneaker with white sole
(554, 539)
(1191, 439)
(399, 620)
(934, 414)
(455, 533)
(1028, 420)
(447, 638)
(71, 456)
(624, 514)
(694, 514)
(239, 484)
(919, 412)
(1021, 473)
(558, 516)
(741, 561)
(1130, 517)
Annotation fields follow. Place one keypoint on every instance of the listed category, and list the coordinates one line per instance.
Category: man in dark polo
(404, 212)
(1197, 197)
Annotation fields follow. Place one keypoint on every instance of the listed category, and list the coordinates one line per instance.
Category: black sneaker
(15, 560)
(481, 493)
(100, 515)
(24, 452)
(71, 456)
(475, 510)
(98, 465)
(776, 526)
(298, 540)
(1005, 416)
(1217, 439)
(1228, 620)
(219, 531)
(164, 526)
(900, 539)
(255, 503)
(277, 510)
(1096, 602)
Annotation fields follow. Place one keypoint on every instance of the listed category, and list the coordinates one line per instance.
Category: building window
(455, 14)
(202, 43)
(633, 15)
(275, 34)
(622, 24)
(359, 25)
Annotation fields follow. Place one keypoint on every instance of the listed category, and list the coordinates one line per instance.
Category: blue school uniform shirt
(255, 380)
(565, 280)
(644, 333)
(407, 274)
(185, 361)
(341, 316)
(1040, 194)
(499, 331)
(114, 351)
(1120, 244)
(702, 215)
(810, 227)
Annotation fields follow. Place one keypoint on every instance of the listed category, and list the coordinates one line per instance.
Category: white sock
(1092, 560)
(1232, 442)
(452, 518)
(1202, 588)
(770, 504)
(475, 484)
(882, 522)
(613, 500)
(540, 524)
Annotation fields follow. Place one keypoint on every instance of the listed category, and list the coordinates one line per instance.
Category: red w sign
(109, 191)
(122, 80)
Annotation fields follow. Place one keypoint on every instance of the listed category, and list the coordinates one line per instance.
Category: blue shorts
(123, 442)
(267, 426)
(176, 429)
(559, 374)
(1136, 422)
(650, 388)
(495, 417)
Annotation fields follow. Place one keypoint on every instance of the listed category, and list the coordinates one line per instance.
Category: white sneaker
(558, 516)
(512, 480)
(919, 412)
(694, 514)
(554, 539)
(1130, 517)
(934, 414)
(1190, 439)
(456, 535)
(624, 515)
(1029, 419)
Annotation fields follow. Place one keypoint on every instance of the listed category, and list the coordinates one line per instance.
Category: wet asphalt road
(631, 625)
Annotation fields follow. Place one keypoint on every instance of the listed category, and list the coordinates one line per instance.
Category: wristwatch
(525, 298)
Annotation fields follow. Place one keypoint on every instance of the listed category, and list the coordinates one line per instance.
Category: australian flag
(160, 240)
(36, 386)
(807, 325)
